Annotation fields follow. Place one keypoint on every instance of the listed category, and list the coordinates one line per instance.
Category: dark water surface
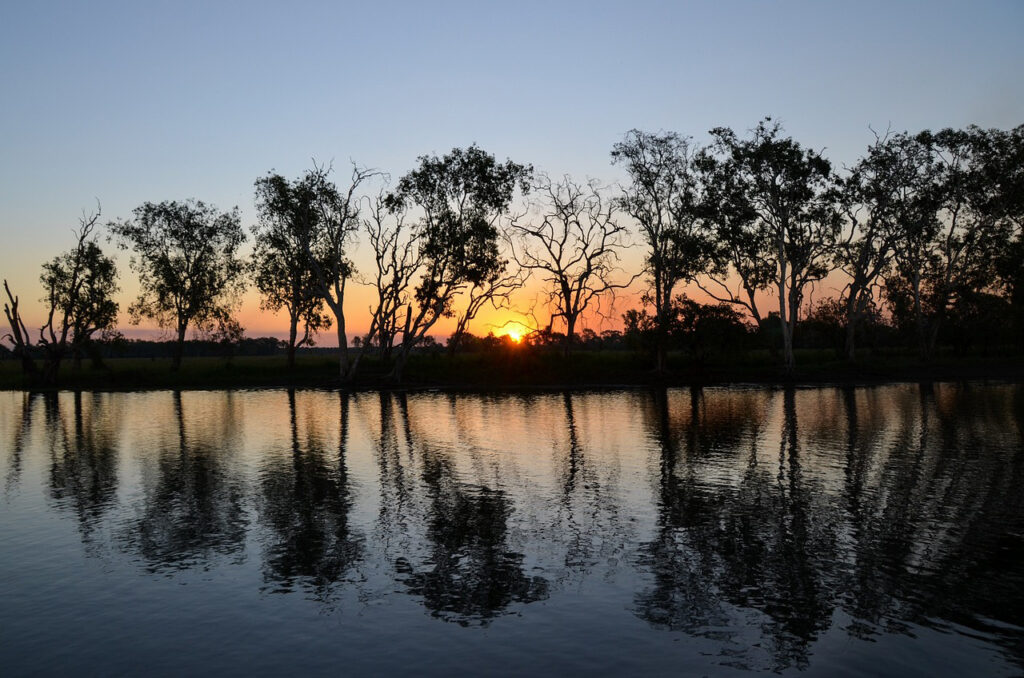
(874, 531)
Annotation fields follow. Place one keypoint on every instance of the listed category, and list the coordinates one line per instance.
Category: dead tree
(574, 243)
(21, 343)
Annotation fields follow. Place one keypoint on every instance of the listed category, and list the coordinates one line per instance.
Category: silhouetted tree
(663, 198)
(79, 285)
(954, 252)
(186, 256)
(888, 194)
(333, 222)
(574, 243)
(397, 257)
(1005, 173)
(461, 196)
(789, 192)
(21, 342)
(707, 329)
(283, 245)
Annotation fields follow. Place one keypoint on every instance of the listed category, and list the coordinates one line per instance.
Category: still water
(825, 531)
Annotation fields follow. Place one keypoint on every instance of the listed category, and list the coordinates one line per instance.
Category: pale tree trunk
(342, 348)
(852, 315)
(403, 352)
(784, 322)
(293, 331)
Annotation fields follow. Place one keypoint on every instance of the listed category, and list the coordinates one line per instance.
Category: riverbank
(517, 370)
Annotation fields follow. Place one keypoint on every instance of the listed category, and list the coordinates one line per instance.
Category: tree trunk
(293, 331)
(852, 313)
(661, 319)
(788, 360)
(179, 347)
(403, 352)
(570, 330)
(342, 348)
(850, 348)
(453, 342)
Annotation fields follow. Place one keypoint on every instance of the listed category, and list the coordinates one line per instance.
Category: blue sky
(128, 102)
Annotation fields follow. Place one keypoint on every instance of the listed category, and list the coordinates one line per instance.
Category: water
(875, 531)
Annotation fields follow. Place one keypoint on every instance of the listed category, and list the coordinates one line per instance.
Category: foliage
(282, 269)
(186, 257)
(781, 214)
(461, 196)
(664, 199)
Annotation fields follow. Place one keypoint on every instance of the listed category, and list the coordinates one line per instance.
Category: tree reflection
(193, 504)
(306, 500)
(83, 475)
(938, 533)
(470, 575)
(20, 429)
(760, 544)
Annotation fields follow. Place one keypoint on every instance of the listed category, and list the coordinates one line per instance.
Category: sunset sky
(132, 102)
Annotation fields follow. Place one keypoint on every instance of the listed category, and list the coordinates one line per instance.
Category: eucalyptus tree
(780, 211)
(186, 257)
(574, 242)
(1006, 174)
(284, 246)
(952, 256)
(663, 198)
(460, 196)
(888, 198)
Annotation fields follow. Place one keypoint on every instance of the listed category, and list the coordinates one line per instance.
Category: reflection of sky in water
(872, 530)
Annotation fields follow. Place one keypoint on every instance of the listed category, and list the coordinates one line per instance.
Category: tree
(955, 251)
(887, 197)
(396, 253)
(663, 199)
(186, 257)
(21, 342)
(332, 219)
(461, 196)
(80, 288)
(574, 244)
(1007, 203)
(781, 212)
(80, 285)
(281, 264)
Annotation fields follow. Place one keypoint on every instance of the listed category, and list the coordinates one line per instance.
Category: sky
(132, 102)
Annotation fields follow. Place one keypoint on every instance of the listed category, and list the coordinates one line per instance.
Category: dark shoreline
(265, 373)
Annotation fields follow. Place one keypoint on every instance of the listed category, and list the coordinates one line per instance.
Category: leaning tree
(461, 196)
(887, 198)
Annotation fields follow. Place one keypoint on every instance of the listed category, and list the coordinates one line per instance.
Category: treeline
(924, 231)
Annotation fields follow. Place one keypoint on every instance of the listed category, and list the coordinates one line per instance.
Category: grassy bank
(520, 369)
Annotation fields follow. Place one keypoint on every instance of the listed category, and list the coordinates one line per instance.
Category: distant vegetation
(925, 232)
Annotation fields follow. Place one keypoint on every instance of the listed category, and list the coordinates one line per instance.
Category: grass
(519, 368)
